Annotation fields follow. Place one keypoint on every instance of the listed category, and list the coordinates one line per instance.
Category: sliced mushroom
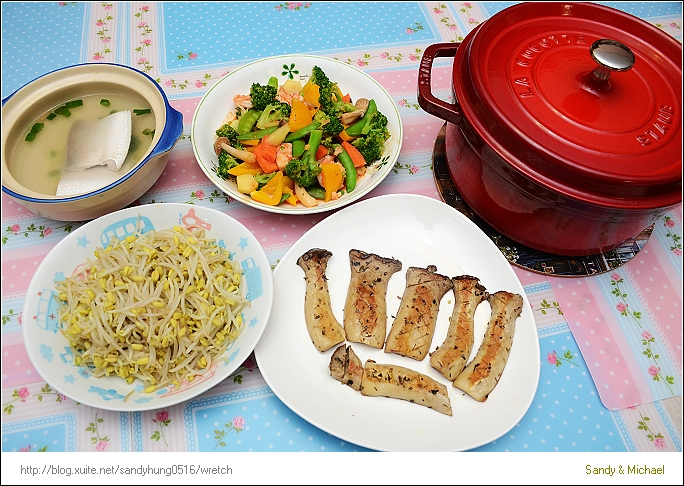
(217, 144)
(351, 117)
(243, 155)
(362, 104)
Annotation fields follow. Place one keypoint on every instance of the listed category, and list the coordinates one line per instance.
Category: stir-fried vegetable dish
(299, 144)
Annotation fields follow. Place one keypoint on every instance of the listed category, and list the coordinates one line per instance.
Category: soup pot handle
(446, 111)
(172, 131)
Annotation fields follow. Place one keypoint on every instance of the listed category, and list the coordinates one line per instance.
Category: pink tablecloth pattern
(611, 344)
(628, 322)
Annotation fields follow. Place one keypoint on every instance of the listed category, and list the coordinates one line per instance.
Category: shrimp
(243, 101)
(285, 97)
(229, 118)
(283, 155)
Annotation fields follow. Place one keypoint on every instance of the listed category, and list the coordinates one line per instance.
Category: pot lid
(580, 96)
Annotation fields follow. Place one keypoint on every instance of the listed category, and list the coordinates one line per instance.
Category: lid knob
(610, 55)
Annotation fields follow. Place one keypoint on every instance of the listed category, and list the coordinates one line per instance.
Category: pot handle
(432, 105)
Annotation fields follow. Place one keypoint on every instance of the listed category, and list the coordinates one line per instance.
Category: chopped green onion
(113, 111)
(63, 110)
(52, 116)
(37, 127)
(104, 102)
(30, 137)
(147, 131)
(142, 112)
(74, 103)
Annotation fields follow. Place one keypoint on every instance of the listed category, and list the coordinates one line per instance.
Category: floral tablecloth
(611, 344)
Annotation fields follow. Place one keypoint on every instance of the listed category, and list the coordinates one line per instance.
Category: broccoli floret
(329, 143)
(262, 96)
(303, 171)
(273, 114)
(331, 96)
(372, 145)
(225, 163)
(376, 121)
(319, 77)
(331, 126)
(231, 134)
(321, 118)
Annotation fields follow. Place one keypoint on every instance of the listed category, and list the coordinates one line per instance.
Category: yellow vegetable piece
(312, 93)
(293, 197)
(246, 183)
(332, 179)
(300, 116)
(272, 192)
(246, 168)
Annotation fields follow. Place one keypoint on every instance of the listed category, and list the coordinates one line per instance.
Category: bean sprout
(160, 307)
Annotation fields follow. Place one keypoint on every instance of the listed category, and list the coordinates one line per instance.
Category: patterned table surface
(611, 344)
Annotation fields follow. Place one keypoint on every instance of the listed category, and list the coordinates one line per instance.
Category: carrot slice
(354, 154)
(321, 152)
(269, 152)
(266, 165)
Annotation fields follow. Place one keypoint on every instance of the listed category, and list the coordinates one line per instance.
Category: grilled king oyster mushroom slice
(365, 310)
(482, 374)
(324, 329)
(413, 327)
(346, 367)
(393, 381)
(452, 356)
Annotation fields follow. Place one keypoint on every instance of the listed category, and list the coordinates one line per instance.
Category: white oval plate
(418, 231)
(218, 101)
(49, 350)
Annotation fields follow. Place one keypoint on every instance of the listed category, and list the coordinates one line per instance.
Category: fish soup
(40, 152)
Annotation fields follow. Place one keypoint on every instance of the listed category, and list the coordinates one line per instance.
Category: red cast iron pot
(566, 131)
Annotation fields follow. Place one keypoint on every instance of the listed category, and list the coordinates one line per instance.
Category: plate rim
(335, 431)
(347, 199)
(31, 350)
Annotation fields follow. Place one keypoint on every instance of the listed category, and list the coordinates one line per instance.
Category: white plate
(49, 350)
(418, 231)
(218, 101)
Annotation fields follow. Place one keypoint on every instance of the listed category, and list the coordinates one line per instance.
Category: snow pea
(298, 147)
(349, 169)
(354, 130)
(258, 134)
(316, 192)
(302, 132)
(247, 121)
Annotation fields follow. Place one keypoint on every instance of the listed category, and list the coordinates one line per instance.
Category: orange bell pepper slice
(312, 94)
(292, 199)
(344, 137)
(332, 179)
(246, 168)
(300, 116)
(272, 192)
